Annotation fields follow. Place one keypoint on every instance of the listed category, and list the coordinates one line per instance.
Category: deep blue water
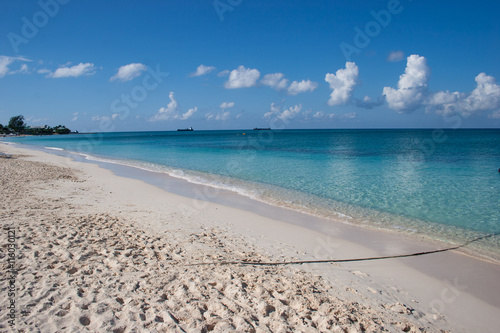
(423, 180)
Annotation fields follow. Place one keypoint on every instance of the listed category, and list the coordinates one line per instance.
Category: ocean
(442, 184)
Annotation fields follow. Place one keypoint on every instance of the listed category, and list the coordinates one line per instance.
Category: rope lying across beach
(257, 263)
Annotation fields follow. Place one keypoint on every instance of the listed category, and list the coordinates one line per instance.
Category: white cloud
(495, 115)
(4, 65)
(22, 70)
(485, 97)
(342, 84)
(168, 112)
(290, 112)
(444, 97)
(323, 115)
(242, 78)
(223, 116)
(395, 56)
(202, 70)
(302, 86)
(43, 71)
(172, 112)
(32, 119)
(273, 109)
(412, 93)
(74, 71)
(226, 105)
(75, 116)
(412, 86)
(275, 80)
(278, 81)
(223, 73)
(100, 118)
(218, 116)
(5, 62)
(275, 112)
(188, 114)
(128, 72)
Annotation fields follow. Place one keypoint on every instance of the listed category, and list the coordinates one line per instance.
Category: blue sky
(235, 64)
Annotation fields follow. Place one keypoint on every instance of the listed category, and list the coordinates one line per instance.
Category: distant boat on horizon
(262, 128)
(185, 129)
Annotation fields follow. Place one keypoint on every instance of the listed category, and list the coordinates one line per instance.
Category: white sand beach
(97, 252)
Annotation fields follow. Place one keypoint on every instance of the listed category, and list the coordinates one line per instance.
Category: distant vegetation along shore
(18, 126)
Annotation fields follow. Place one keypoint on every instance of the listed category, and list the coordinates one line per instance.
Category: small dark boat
(185, 129)
(262, 128)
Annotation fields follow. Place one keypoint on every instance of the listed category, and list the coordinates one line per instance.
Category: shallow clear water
(445, 184)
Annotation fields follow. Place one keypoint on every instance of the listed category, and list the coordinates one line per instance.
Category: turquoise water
(444, 184)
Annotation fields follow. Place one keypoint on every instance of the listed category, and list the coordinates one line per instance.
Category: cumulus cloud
(74, 71)
(444, 97)
(128, 72)
(5, 62)
(278, 81)
(4, 65)
(301, 87)
(242, 78)
(412, 93)
(485, 97)
(188, 114)
(202, 70)
(342, 84)
(273, 110)
(275, 80)
(226, 105)
(395, 56)
(412, 86)
(171, 112)
(218, 116)
(285, 115)
(290, 113)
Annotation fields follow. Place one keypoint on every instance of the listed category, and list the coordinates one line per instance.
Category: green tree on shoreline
(17, 124)
(60, 129)
(4, 129)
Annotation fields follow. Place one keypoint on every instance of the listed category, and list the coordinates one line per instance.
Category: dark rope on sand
(257, 263)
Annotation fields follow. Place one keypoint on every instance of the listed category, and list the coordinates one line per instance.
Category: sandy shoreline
(99, 252)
